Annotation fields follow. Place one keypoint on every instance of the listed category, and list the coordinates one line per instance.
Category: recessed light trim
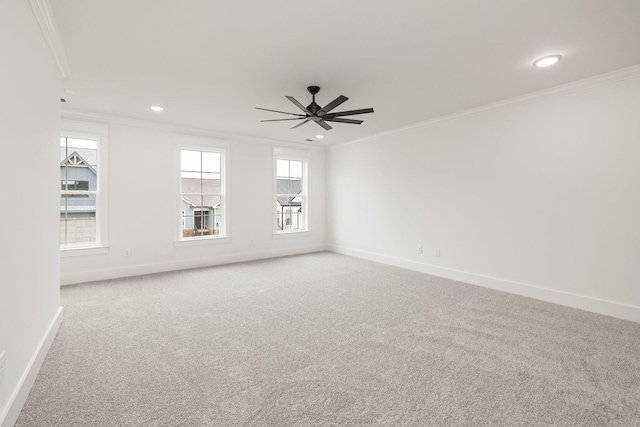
(157, 108)
(547, 61)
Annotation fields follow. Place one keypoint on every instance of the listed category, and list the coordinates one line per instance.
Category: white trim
(47, 22)
(582, 302)
(187, 131)
(183, 264)
(197, 142)
(79, 128)
(201, 240)
(100, 133)
(291, 233)
(579, 85)
(11, 411)
(68, 252)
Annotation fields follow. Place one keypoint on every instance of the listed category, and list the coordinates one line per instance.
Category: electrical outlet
(127, 252)
(436, 251)
(2, 364)
(419, 249)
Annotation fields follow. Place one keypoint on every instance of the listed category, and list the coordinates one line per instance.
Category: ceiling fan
(320, 115)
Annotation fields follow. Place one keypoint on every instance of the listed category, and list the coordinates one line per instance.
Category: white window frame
(211, 145)
(100, 133)
(280, 153)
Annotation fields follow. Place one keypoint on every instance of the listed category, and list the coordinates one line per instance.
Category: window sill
(196, 241)
(291, 233)
(71, 252)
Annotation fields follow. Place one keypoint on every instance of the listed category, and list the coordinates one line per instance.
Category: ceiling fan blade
(279, 120)
(339, 120)
(348, 113)
(300, 106)
(276, 111)
(323, 124)
(300, 124)
(333, 104)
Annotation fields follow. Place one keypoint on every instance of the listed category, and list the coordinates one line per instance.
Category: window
(290, 193)
(202, 193)
(79, 192)
(83, 188)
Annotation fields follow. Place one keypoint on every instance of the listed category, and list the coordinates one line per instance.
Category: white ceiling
(210, 62)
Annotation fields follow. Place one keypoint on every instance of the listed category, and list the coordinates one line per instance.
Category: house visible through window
(79, 192)
(291, 195)
(201, 190)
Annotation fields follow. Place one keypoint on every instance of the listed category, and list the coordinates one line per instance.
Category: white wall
(29, 271)
(538, 196)
(143, 189)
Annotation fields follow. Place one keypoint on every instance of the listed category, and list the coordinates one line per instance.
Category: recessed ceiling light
(319, 136)
(156, 108)
(547, 61)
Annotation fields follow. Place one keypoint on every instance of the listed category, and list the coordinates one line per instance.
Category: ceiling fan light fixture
(547, 61)
(319, 136)
(157, 108)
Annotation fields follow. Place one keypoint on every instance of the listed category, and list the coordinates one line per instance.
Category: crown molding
(47, 22)
(108, 119)
(578, 85)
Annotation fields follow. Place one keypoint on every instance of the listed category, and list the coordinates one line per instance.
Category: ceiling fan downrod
(313, 107)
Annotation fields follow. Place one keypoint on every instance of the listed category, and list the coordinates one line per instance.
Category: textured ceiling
(209, 63)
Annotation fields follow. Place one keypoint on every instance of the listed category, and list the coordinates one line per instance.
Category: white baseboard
(10, 413)
(582, 302)
(140, 269)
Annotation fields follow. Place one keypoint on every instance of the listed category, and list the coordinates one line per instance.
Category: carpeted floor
(327, 340)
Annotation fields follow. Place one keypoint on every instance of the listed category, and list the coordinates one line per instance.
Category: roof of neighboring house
(289, 186)
(89, 155)
(192, 188)
(76, 160)
(196, 186)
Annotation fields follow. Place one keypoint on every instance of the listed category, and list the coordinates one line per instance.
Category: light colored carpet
(327, 340)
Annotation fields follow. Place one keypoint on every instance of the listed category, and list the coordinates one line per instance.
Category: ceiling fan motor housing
(313, 107)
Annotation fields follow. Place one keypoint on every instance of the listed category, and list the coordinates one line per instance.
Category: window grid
(291, 212)
(201, 189)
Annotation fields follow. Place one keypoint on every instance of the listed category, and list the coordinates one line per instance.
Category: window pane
(296, 169)
(210, 183)
(210, 176)
(191, 160)
(283, 168)
(210, 201)
(190, 185)
(77, 222)
(77, 143)
(81, 152)
(78, 176)
(211, 162)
